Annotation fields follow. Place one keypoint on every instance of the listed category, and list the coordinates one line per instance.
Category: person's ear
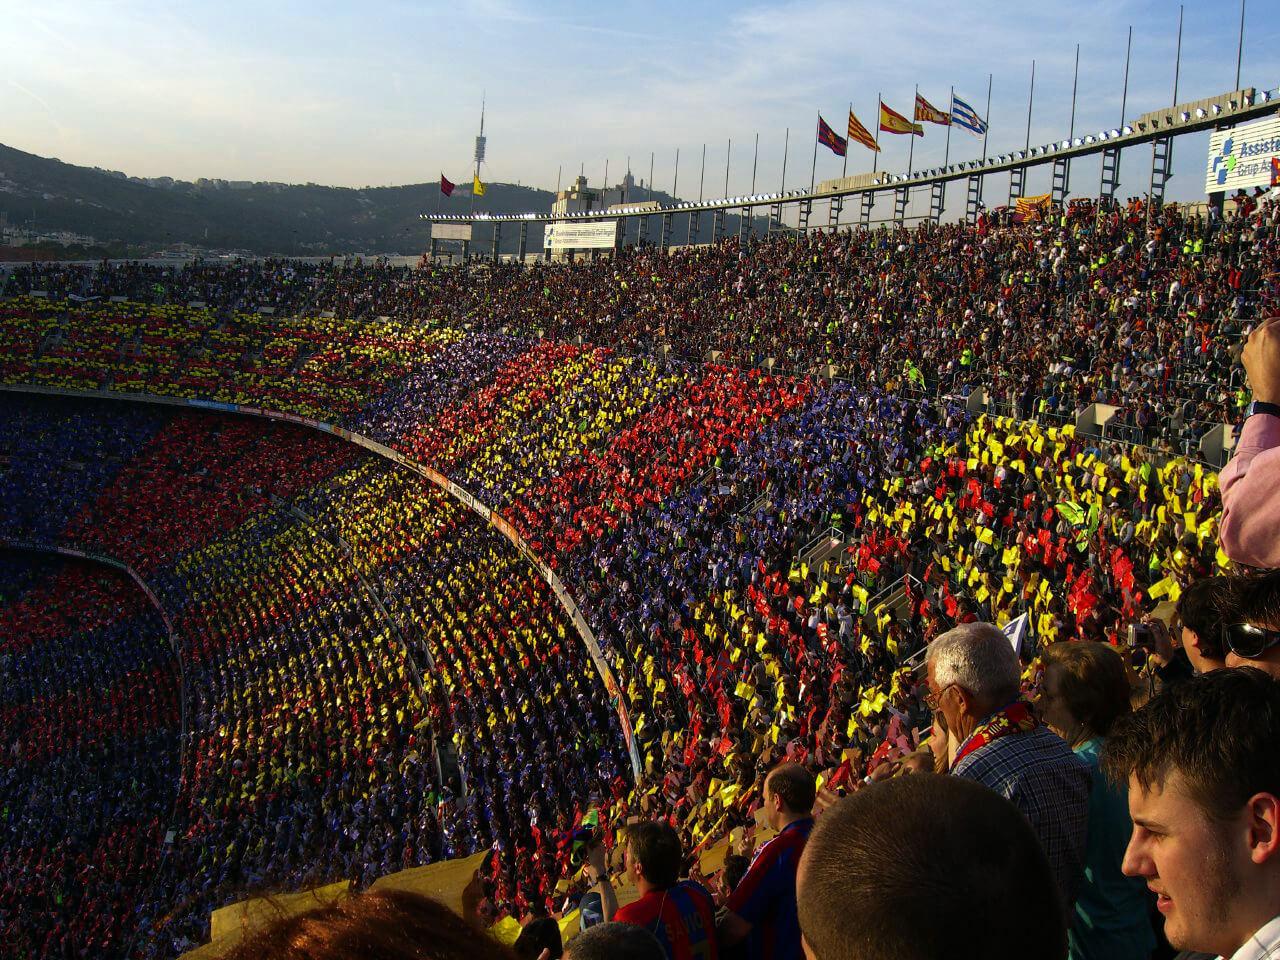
(1263, 813)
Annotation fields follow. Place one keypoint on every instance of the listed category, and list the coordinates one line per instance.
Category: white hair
(979, 658)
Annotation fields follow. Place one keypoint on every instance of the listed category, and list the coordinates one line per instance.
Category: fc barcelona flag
(829, 138)
(891, 121)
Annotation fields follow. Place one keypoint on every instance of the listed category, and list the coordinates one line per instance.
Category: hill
(132, 215)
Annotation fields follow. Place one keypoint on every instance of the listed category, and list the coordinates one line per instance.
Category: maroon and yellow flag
(891, 121)
(927, 112)
(1031, 208)
(861, 134)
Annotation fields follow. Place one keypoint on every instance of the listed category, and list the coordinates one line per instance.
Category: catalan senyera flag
(477, 188)
(927, 112)
(1031, 208)
(891, 121)
(829, 138)
(861, 134)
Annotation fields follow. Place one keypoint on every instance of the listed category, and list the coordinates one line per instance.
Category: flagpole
(844, 169)
(946, 151)
(911, 147)
(1239, 49)
(754, 158)
(1177, 69)
(702, 177)
(987, 119)
(1031, 97)
(651, 174)
(728, 152)
(1177, 60)
(875, 162)
(786, 145)
(559, 171)
(1124, 97)
(1075, 80)
(813, 176)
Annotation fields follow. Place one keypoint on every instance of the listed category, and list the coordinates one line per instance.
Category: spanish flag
(477, 188)
(893, 122)
(861, 134)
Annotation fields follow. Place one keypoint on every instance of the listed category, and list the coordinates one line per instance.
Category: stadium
(321, 577)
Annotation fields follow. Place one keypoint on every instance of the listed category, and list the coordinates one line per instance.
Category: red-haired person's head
(375, 925)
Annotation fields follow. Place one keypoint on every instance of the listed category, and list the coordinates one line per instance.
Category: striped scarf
(1014, 719)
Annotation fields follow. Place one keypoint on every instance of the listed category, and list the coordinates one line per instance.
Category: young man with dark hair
(927, 866)
(1202, 761)
(1252, 637)
(762, 909)
(1204, 609)
(682, 915)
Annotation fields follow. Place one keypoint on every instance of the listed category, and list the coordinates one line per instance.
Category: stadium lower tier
(90, 720)
(344, 626)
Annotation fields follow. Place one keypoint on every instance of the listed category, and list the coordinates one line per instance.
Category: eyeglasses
(1247, 641)
(932, 699)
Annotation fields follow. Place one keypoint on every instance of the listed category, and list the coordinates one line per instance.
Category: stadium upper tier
(757, 550)
(1114, 307)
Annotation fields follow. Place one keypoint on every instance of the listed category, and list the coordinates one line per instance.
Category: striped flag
(963, 115)
(829, 138)
(861, 134)
(927, 112)
(891, 121)
(1035, 208)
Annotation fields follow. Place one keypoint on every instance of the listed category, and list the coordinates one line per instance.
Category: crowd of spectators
(1099, 302)
(90, 722)
(376, 679)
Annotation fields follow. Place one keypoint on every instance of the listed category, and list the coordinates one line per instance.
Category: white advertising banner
(601, 235)
(1243, 157)
(450, 231)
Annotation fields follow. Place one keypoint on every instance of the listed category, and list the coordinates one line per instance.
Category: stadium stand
(761, 549)
(89, 713)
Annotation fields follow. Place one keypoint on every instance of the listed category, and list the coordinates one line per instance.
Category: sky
(389, 91)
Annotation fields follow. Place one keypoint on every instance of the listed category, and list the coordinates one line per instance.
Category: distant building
(580, 198)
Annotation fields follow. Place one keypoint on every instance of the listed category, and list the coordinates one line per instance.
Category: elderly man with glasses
(974, 679)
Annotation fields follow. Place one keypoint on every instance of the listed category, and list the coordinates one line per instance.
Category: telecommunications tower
(480, 141)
